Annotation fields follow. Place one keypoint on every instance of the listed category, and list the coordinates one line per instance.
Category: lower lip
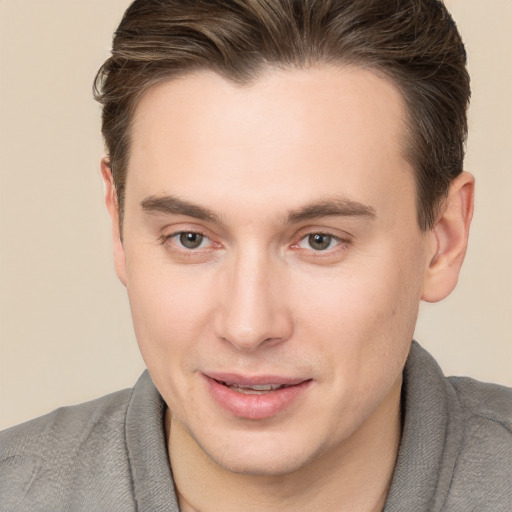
(255, 406)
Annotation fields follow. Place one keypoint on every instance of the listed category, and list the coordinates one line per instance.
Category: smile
(255, 398)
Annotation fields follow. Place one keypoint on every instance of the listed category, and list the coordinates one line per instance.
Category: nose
(253, 308)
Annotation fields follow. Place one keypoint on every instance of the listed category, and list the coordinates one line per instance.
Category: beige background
(65, 329)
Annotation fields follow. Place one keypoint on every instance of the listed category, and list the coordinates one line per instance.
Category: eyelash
(340, 243)
(165, 239)
(309, 237)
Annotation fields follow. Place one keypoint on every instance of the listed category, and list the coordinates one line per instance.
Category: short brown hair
(415, 43)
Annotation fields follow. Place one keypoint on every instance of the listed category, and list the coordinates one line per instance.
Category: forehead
(300, 130)
(284, 98)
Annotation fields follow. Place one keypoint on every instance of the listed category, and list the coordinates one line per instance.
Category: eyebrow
(333, 206)
(172, 205)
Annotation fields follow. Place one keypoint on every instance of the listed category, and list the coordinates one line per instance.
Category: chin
(261, 454)
(261, 464)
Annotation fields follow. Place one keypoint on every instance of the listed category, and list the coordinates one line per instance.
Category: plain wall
(65, 328)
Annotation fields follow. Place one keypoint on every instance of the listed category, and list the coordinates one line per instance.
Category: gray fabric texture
(110, 454)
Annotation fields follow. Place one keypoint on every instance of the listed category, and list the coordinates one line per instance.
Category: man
(285, 185)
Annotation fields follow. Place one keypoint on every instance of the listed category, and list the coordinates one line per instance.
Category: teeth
(265, 387)
(254, 390)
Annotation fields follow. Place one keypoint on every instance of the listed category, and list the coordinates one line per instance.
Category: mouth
(255, 398)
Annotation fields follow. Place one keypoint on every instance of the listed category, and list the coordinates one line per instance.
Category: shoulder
(42, 459)
(485, 402)
(483, 471)
(456, 442)
(65, 426)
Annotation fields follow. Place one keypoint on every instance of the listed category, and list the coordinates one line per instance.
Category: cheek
(365, 310)
(169, 322)
(169, 310)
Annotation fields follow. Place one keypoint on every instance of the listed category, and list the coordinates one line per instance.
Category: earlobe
(113, 210)
(449, 239)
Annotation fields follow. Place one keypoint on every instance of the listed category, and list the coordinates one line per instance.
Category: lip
(255, 406)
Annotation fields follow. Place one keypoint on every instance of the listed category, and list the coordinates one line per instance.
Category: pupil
(191, 240)
(319, 242)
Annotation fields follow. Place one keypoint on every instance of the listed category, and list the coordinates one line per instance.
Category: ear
(449, 239)
(113, 210)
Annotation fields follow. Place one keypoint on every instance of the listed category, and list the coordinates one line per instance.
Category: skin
(256, 170)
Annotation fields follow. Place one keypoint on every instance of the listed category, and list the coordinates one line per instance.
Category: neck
(354, 477)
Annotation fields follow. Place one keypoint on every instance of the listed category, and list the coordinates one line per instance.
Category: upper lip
(234, 379)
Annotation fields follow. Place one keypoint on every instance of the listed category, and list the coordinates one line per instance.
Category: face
(272, 258)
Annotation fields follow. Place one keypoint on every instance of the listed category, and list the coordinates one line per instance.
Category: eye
(319, 241)
(189, 239)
